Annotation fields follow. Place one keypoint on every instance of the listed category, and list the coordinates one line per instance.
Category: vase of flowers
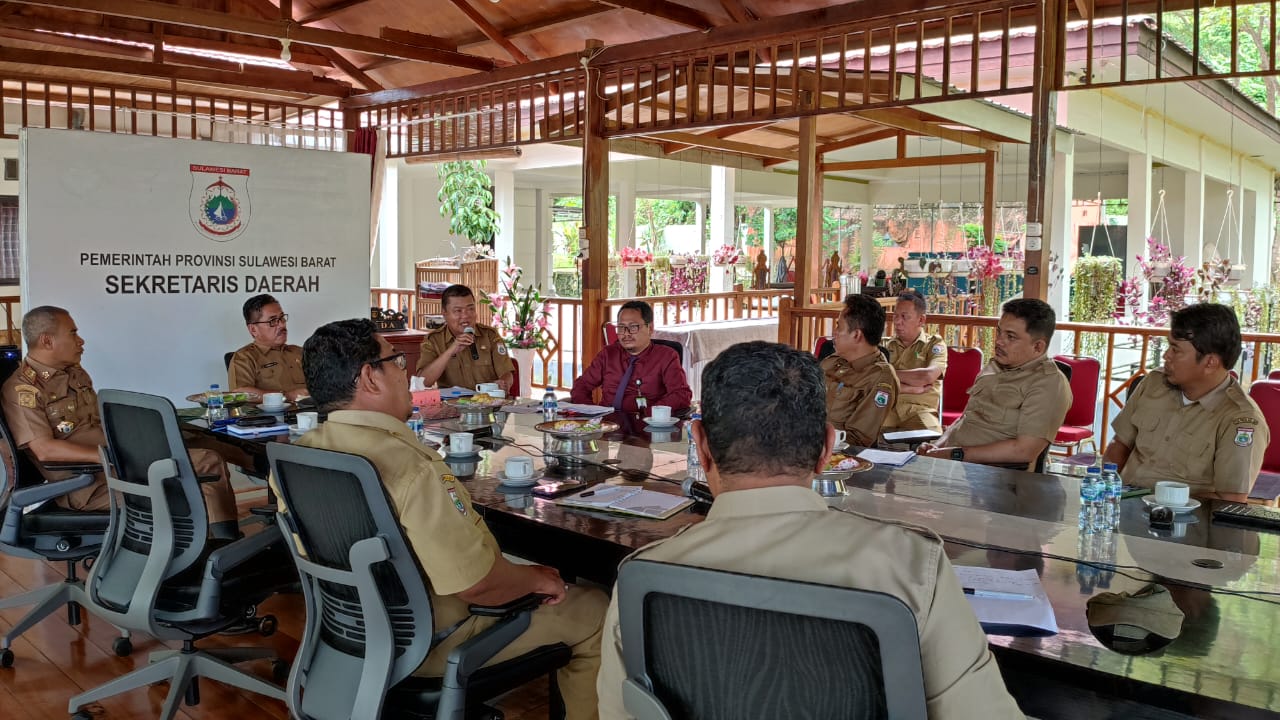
(726, 255)
(520, 316)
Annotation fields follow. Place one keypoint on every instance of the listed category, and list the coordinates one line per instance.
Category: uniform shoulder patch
(882, 398)
(27, 395)
(457, 501)
(1244, 436)
(1244, 420)
(937, 349)
(502, 348)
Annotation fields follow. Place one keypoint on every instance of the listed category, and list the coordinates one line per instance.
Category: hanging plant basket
(679, 261)
(961, 266)
(1160, 270)
(1236, 273)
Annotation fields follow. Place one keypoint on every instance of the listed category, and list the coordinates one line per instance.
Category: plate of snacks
(576, 427)
(841, 464)
(479, 401)
(229, 399)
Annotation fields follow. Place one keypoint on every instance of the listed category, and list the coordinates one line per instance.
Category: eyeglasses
(398, 359)
(629, 329)
(273, 322)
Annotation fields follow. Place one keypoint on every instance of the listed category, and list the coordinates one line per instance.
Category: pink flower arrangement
(726, 255)
(1171, 291)
(986, 264)
(519, 313)
(635, 256)
(690, 278)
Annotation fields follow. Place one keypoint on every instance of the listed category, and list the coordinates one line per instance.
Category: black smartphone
(257, 421)
(556, 488)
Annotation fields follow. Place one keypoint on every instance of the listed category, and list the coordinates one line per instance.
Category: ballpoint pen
(997, 594)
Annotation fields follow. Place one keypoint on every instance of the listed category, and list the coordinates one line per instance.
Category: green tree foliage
(652, 215)
(1214, 29)
(466, 199)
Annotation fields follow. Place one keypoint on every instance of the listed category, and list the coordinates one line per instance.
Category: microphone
(475, 352)
(699, 491)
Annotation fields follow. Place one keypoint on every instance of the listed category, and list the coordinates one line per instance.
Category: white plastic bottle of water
(215, 411)
(1090, 487)
(693, 466)
(1111, 476)
(550, 405)
(415, 423)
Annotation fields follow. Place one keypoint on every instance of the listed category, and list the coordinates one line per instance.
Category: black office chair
(160, 573)
(226, 360)
(1133, 386)
(35, 527)
(831, 652)
(674, 345)
(369, 616)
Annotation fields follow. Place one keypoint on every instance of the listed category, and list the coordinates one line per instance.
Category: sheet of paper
(886, 457)
(602, 496)
(906, 435)
(648, 502)
(1003, 616)
(263, 430)
(523, 407)
(585, 409)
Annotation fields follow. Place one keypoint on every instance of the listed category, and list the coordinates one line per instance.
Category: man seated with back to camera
(861, 385)
(464, 353)
(635, 373)
(1190, 421)
(355, 375)
(762, 437)
(1018, 401)
(51, 408)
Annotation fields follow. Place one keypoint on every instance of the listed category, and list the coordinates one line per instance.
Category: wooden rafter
(265, 78)
(490, 31)
(537, 25)
(860, 139)
(717, 134)
(413, 38)
(737, 11)
(891, 163)
(329, 10)
(905, 121)
(670, 11)
(211, 20)
(265, 9)
(684, 138)
(117, 49)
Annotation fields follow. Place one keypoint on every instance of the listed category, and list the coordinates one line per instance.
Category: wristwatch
(957, 454)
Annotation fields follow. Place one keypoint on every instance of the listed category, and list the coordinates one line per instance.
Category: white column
(542, 237)
(1192, 219)
(625, 221)
(389, 230)
(504, 201)
(866, 238)
(700, 219)
(768, 237)
(1257, 240)
(1235, 249)
(723, 232)
(1139, 208)
(1057, 239)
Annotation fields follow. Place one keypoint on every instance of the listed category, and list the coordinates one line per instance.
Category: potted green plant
(466, 199)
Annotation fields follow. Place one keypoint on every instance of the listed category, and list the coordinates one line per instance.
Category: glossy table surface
(1226, 662)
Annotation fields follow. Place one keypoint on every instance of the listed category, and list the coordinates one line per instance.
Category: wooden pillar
(989, 198)
(808, 213)
(1044, 114)
(595, 216)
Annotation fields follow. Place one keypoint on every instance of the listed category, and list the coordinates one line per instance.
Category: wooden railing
(1126, 351)
(396, 299)
(12, 332)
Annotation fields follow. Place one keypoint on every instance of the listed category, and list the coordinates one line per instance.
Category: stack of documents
(242, 431)
(885, 457)
(1008, 602)
(585, 409)
(627, 500)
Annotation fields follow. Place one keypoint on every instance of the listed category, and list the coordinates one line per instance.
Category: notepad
(628, 501)
(239, 431)
(886, 457)
(909, 435)
(1008, 602)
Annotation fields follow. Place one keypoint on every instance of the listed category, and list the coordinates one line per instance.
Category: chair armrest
(471, 655)
(228, 557)
(78, 468)
(37, 494)
(1007, 465)
(529, 602)
(208, 478)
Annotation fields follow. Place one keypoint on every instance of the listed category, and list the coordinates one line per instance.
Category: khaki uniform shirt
(789, 533)
(859, 395)
(462, 371)
(42, 402)
(268, 370)
(917, 412)
(1214, 444)
(453, 545)
(1030, 400)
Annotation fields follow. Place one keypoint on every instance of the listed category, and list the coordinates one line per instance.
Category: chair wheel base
(267, 625)
(122, 647)
(6, 658)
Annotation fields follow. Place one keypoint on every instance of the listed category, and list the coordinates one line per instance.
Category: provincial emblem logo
(219, 202)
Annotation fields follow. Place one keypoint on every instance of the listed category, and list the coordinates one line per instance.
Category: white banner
(154, 244)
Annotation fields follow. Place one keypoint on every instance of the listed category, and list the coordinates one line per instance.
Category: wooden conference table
(1225, 664)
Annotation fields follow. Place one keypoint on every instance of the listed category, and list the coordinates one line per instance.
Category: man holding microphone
(464, 353)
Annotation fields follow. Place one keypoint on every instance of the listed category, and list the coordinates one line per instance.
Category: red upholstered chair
(515, 378)
(1273, 375)
(822, 348)
(1077, 428)
(610, 333)
(963, 366)
(1267, 394)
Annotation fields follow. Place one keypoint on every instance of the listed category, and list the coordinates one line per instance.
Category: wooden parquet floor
(55, 660)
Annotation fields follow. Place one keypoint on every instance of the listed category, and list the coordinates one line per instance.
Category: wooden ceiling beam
(329, 10)
(490, 31)
(275, 29)
(119, 50)
(860, 139)
(265, 78)
(413, 38)
(684, 138)
(672, 148)
(737, 11)
(301, 55)
(892, 163)
(336, 59)
(901, 120)
(666, 10)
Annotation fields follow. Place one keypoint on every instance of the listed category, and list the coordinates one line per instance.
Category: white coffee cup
(493, 389)
(308, 420)
(460, 443)
(273, 400)
(1172, 494)
(661, 414)
(840, 436)
(519, 468)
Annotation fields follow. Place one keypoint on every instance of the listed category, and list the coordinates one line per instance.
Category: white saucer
(461, 457)
(1192, 504)
(517, 482)
(273, 409)
(839, 446)
(674, 421)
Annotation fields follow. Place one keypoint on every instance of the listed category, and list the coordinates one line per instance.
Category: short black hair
(332, 358)
(1210, 328)
(640, 306)
(915, 298)
(253, 307)
(1040, 319)
(863, 312)
(764, 409)
(454, 291)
